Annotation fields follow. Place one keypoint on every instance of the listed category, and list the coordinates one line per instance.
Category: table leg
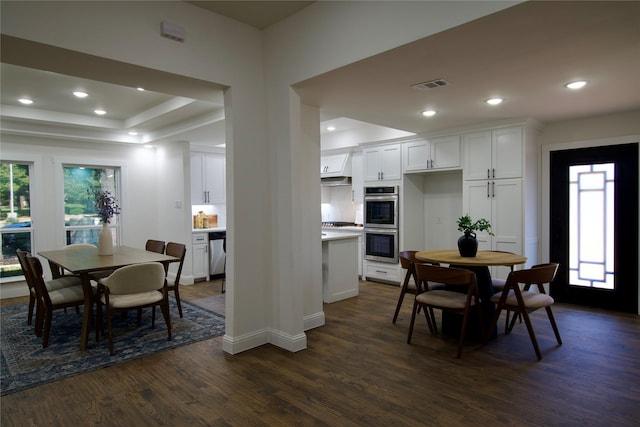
(87, 311)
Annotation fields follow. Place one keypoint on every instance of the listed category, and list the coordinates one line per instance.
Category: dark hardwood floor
(358, 370)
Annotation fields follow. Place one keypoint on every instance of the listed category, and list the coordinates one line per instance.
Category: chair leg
(428, 314)
(532, 335)
(167, 318)
(177, 295)
(413, 319)
(553, 324)
(110, 331)
(32, 303)
(403, 290)
(47, 328)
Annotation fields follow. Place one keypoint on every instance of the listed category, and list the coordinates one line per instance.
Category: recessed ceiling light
(80, 94)
(25, 101)
(133, 133)
(493, 101)
(576, 85)
(100, 112)
(429, 113)
(141, 89)
(331, 128)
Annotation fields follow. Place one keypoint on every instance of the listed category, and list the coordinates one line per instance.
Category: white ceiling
(524, 54)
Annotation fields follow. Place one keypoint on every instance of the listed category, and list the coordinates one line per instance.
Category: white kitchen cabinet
(200, 251)
(500, 202)
(335, 165)
(357, 185)
(433, 154)
(494, 154)
(382, 162)
(385, 272)
(207, 179)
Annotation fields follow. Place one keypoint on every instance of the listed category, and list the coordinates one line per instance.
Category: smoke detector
(431, 84)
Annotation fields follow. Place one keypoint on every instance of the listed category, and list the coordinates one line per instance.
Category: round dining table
(479, 264)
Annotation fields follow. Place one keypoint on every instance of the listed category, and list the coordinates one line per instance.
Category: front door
(594, 226)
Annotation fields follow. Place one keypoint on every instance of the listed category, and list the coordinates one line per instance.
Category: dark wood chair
(177, 250)
(449, 300)
(50, 298)
(524, 301)
(133, 287)
(52, 285)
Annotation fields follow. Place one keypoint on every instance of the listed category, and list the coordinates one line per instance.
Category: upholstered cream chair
(524, 301)
(133, 287)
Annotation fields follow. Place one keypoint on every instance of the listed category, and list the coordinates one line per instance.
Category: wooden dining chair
(52, 285)
(450, 300)
(177, 250)
(134, 286)
(155, 246)
(524, 301)
(51, 298)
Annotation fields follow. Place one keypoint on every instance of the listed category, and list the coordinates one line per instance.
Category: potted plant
(467, 243)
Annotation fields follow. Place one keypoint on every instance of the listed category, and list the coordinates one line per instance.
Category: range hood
(335, 181)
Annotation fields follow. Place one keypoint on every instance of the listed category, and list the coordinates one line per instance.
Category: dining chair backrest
(26, 268)
(37, 274)
(177, 250)
(136, 278)
(155, 246)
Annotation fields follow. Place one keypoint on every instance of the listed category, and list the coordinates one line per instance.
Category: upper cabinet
(335, 165)
(382, 162)
(434, 154)
(207, 179)
(494, 154)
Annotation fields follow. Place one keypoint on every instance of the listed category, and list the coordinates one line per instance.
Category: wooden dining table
(85, 261)
(479, 264)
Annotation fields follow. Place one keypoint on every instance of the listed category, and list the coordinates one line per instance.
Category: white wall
(267, 207)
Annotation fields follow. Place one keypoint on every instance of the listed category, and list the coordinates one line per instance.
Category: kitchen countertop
(357, 229)
(331, 235)
(208, 230)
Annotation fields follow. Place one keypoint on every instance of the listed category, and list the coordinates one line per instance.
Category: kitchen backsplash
(220, 210)
(337, 204)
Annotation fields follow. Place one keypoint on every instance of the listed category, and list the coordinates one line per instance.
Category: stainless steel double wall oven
(381, 217)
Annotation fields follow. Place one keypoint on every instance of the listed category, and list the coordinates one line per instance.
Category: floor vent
(431, 84)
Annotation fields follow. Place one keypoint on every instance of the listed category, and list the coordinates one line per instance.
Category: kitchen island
(339, 266)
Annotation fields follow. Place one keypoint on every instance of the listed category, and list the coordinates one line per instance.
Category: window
(15, 215)
(81, 220)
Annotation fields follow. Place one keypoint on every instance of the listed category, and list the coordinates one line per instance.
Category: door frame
(545, 183)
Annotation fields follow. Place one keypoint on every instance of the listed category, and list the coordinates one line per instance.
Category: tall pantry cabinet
(500, 176)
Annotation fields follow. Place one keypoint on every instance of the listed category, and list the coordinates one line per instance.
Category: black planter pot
(468, 245)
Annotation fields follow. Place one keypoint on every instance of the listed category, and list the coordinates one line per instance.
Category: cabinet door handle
(381, 175)
(493, 190)
(381, 272)
(494, 172)
(488, 174)
(488, 195)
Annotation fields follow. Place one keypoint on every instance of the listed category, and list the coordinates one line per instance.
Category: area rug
(25, 364)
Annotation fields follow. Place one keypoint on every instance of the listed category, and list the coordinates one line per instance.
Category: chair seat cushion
(133, 300)
(531, 299)
(441, 298)
(498, 284)
(66, 295)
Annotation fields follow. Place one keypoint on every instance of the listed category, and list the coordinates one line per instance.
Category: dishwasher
(216, 254)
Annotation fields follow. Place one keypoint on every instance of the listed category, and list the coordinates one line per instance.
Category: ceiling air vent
(431, 84)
